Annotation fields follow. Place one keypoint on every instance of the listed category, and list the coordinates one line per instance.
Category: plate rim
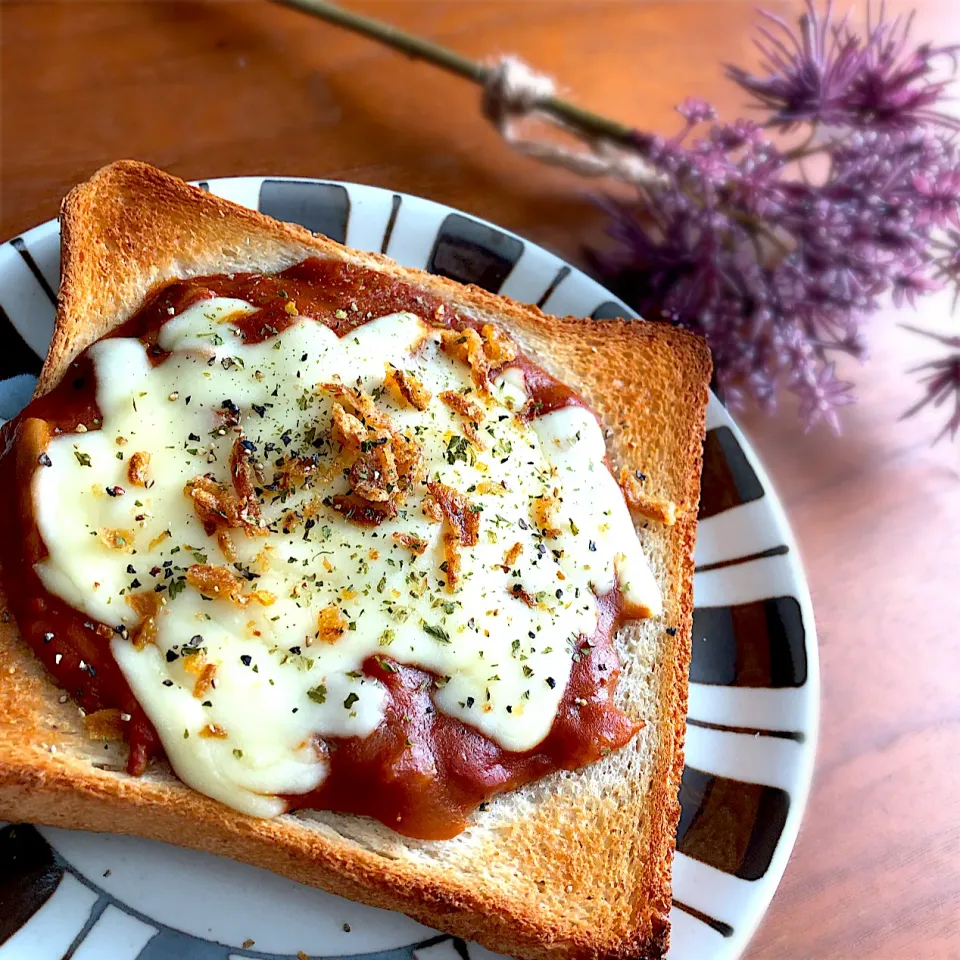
(766, 886)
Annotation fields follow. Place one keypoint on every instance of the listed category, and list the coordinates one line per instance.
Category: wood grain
(210, 89)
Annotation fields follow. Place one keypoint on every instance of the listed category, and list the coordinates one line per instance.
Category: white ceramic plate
(754, 692)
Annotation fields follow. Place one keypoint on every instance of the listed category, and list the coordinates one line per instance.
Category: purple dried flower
(821, 396)
(939, 198)
(808, 72)
(694, 111)
(908, 286)
(941, 383)
(776, 270)
(740, 133)
(948, 263)
(825, 73)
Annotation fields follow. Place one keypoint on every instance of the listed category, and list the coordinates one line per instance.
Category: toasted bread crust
(514, 881)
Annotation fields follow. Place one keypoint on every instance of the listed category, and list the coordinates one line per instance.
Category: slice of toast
(575, 865)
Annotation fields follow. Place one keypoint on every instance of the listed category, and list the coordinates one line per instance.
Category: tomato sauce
(420, 772)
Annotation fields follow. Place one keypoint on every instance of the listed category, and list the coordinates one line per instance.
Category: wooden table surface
(207, 89)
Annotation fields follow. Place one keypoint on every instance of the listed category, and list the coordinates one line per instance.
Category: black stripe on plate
(728, 478)
(88, 925)
(562, 275)
(29, 874)
(724, 929)
(472, 252)
(320, 207)
(608, 310)
(391, 222)
(15, 357)
(203, 185)
(173, 945)
(18, 244)
(730, 825)
(794, 735)
(755, 644)
(735, 561)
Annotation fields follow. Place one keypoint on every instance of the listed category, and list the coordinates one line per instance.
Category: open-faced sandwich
(352, 572)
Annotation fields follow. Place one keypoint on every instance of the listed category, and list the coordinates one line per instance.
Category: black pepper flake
(130, 568)
(194, 641)
(44, 460)
(509, 708)
(207, 703)
(295, 651)
(172, 655)
(470, 701)
(551, 683)
(168, 683)
(258, 409)
(194, 437)
(303, 359)
(592, 547)
(135, 583)
(559, 593)
(246, 659)
(115, 491)
(672, 631)
(346, 928)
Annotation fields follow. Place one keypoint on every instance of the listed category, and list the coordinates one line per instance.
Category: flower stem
(805, 149)
(754, 226)
(419, 48)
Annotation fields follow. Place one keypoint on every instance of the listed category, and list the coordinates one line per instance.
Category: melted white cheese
(503, 665)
